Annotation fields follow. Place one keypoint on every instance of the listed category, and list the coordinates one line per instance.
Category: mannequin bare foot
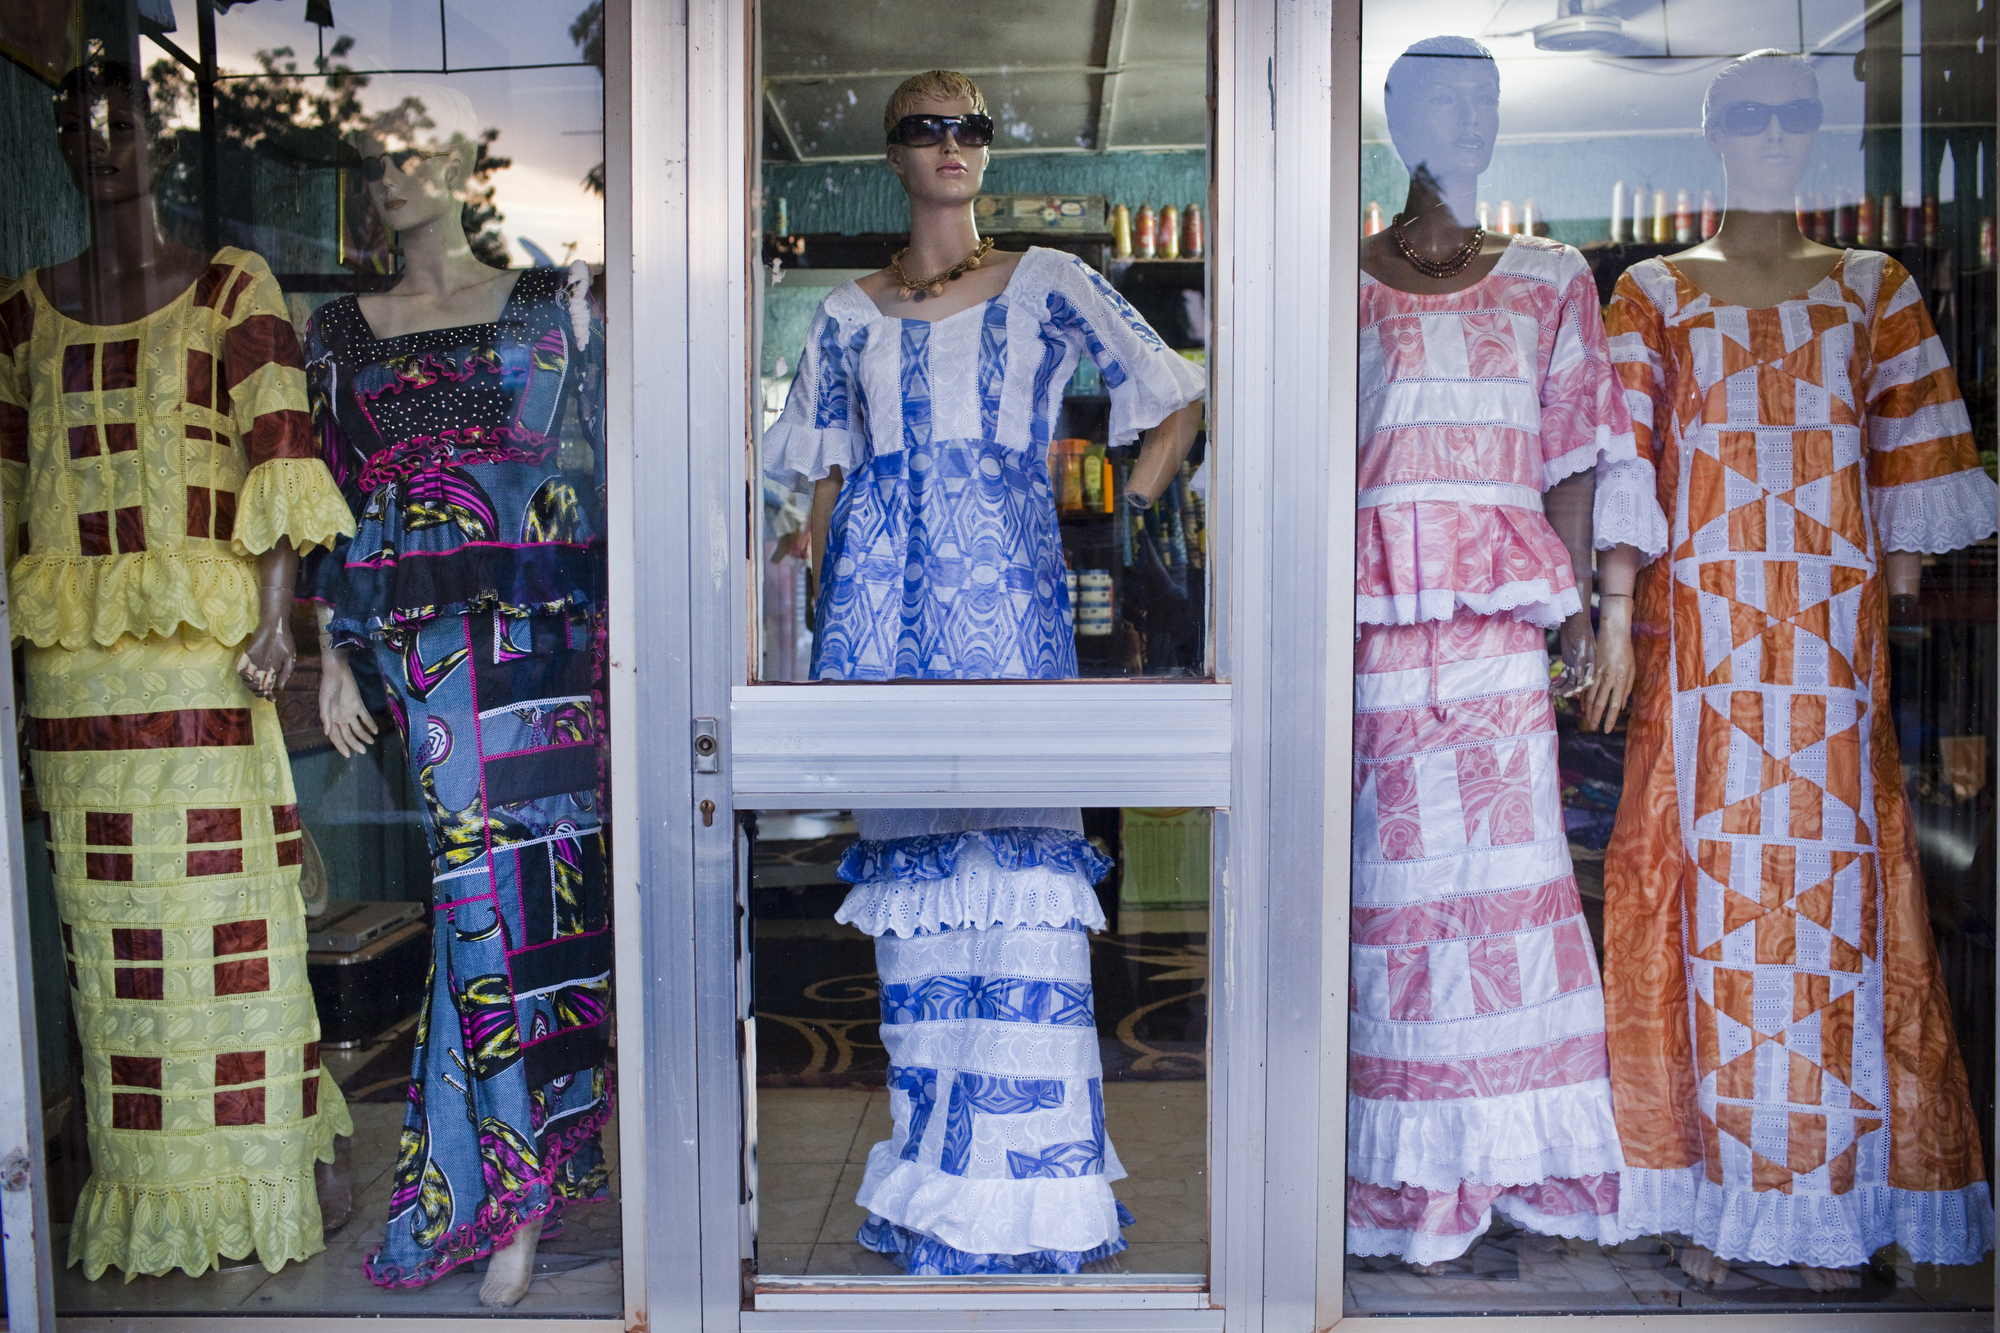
(1831, 1279)
(335, 1182)
(510, 1270)
(1703, 1265)
(1428, 1270)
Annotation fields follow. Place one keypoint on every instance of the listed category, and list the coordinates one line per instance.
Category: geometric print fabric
(175, 848)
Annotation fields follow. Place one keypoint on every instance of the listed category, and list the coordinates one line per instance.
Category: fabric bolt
(474, 458)
(999, 1161)
(1478, 1079)
(144, 466)
(945, 559)
(510, 1089)
(1788, 1084)
(175, 842)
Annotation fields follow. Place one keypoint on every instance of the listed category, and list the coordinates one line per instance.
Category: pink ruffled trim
(1476, 555)
(499, 1221)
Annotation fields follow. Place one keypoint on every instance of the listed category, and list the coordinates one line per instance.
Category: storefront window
(1673, 879)
(981, 1043)
(302, 452)
(1002, 470)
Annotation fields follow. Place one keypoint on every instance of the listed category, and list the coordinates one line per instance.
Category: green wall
(41, 218)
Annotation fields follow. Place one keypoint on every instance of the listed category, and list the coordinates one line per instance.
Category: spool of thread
(1527, 217)
(1145, 233)
(1371, 218)
(1194, 243)
(1618, 215)
(1683, 218)
(1864, 221)
(1710, 220)
(1121, 231)
(1506, 217)
(1930, 219)
(1170, 233)
(1661, 224)
(1485, 215)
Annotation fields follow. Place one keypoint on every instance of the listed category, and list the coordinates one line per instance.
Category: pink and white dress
(1478, 1077)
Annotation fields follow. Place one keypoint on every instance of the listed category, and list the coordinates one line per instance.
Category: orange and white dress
(1787, 1083)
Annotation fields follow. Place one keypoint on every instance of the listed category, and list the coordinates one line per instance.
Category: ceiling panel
(843, 117)
(1167, 30)
(1168, 107)
(857, 36)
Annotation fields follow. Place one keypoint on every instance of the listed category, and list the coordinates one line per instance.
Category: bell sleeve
(1587, 424)
(1147, 381)
(15, 317)
(818, 430)
(1628, 506)
(288, 493)
(1926, 488)
(320, 568)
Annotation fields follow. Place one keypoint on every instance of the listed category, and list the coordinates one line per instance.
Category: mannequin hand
(1615, 666)
(266, 663)
(342, 715)
(1579, 658)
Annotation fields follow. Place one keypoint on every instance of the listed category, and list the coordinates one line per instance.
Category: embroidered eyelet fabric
(1788, 1084)
(144, 466)
(175, 841)
(999, 1160)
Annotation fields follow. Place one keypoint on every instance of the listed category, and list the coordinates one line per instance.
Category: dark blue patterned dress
(471, 457)
(945, 562)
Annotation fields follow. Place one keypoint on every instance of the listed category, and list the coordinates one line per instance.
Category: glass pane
(318, 884)
(958, 1013)
(1686, 1004)
(1001, 473)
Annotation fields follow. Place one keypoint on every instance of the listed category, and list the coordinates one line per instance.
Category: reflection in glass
(953, 1021)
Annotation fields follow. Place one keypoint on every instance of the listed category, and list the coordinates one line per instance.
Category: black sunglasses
(376, 167)
(1747, 118)
(974, 131)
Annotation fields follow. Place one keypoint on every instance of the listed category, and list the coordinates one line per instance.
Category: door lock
(707, 746)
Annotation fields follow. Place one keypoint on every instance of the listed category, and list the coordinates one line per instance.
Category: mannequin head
(423, 168)
(1442, 99)
(1762, 165)
(104, 125)
(947, 172)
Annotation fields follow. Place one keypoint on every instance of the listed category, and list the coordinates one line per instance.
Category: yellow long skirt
(174, 832)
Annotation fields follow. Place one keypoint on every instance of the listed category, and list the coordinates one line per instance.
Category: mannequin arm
(1618, 571)
(1161, 453)
(267, 660)
(1568, 505)
(342, 714)
(813, 537)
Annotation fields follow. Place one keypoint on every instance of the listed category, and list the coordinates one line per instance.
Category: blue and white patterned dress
(945, 562)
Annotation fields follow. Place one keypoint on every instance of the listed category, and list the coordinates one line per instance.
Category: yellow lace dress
(143, 468)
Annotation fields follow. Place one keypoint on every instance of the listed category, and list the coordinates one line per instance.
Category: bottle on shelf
(1108, 485)
(1090, 464)
(1068, 475)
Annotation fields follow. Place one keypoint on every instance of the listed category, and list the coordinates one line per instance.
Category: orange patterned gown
(1787, 1083)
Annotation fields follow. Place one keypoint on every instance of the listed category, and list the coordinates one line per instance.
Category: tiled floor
(1515, 1273)
(578, 1273)
(813, 1142)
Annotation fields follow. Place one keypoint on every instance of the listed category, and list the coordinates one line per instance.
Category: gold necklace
(916, 289)
(1435, 268)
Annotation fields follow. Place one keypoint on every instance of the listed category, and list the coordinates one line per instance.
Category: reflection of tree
(588, 33)
(298, 120)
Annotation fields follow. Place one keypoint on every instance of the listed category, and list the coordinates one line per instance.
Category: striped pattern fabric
(1788, 1084)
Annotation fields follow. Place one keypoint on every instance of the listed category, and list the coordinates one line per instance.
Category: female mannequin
(1465, 907)
(926, 437)
(1810, 443)
(152, 580)
(442, 407)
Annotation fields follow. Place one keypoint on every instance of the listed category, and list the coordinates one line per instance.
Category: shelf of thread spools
(1135, 576)
(1168, 233)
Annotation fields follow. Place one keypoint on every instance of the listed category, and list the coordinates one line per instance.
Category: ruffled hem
(1604, 449)
(294, 498)
(993, 1216)
(1936, 515)
(1433, 1247)
(1534, 600)
(1625, 510)
(1822, 1230)
(978, 897)
(1419, 560)
(936, 855)
(501, 1218)
(798, 456)
(1565, 1132)
(927, 1256)
(76, 601)
(193, 1227)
